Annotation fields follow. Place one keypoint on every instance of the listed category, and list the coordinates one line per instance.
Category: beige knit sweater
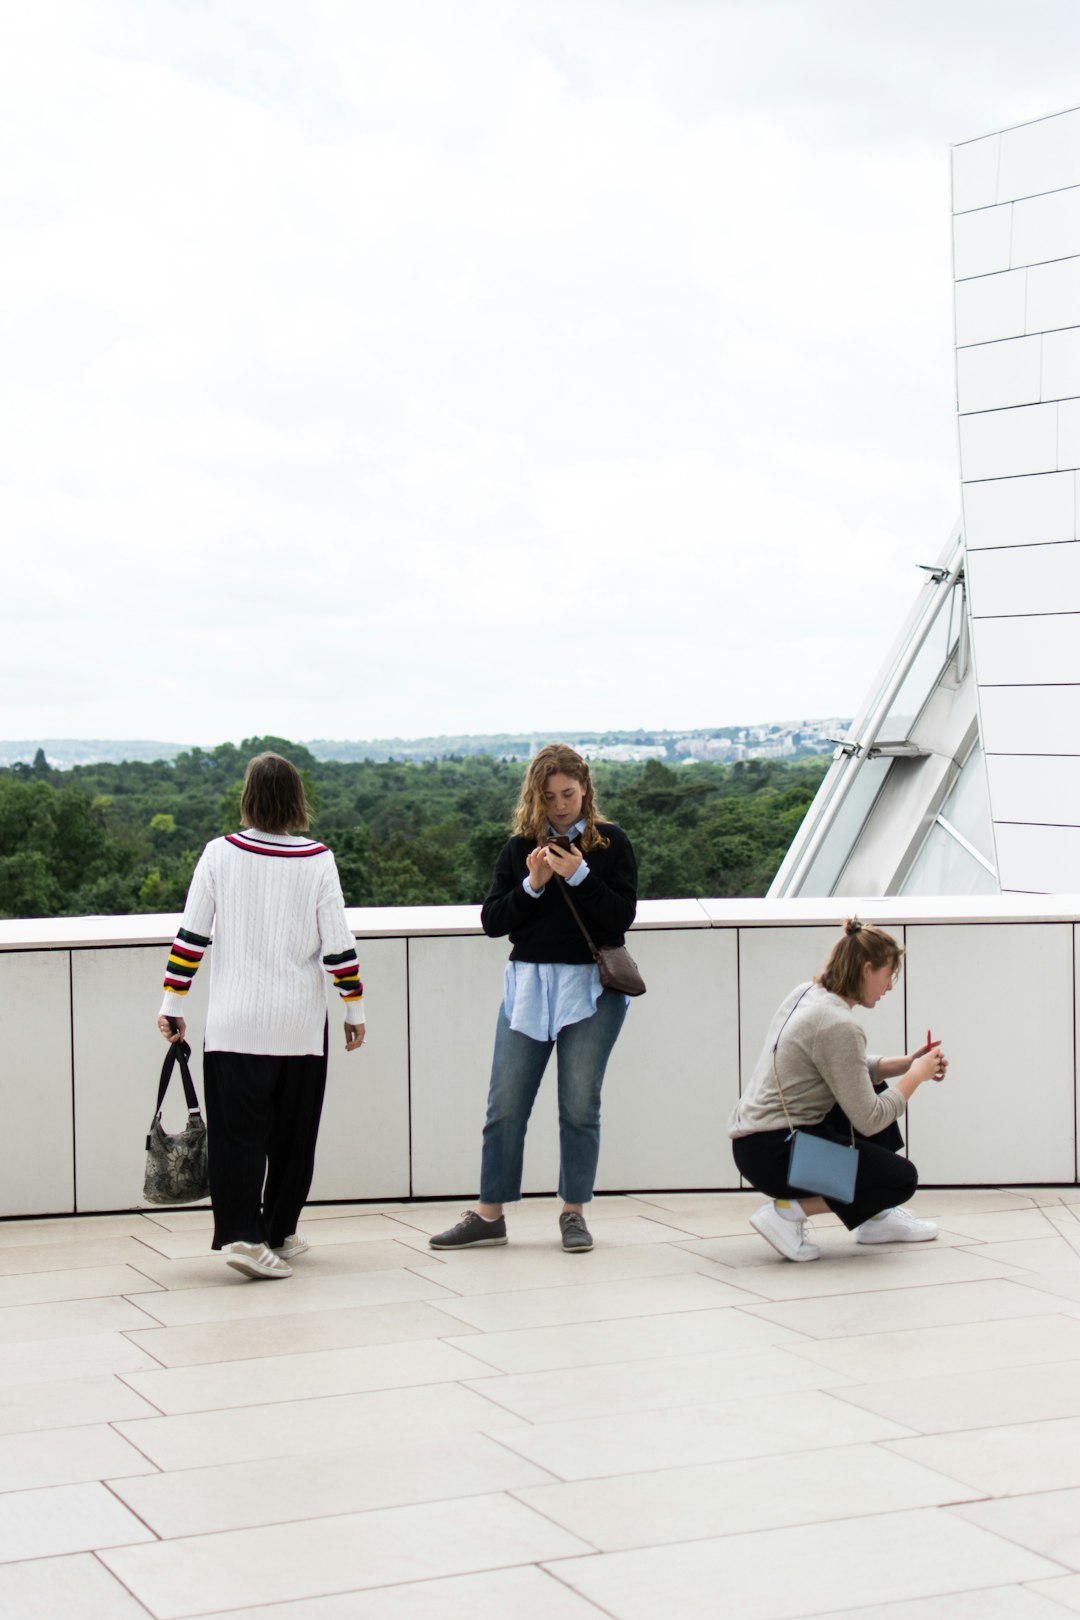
(821, 1059)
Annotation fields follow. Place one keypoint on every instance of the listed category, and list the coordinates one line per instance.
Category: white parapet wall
(995, 978)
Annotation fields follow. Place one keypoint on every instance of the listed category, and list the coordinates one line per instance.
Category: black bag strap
(179, 1052)
(576, 914)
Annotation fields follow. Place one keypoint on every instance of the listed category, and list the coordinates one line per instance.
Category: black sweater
(543, 930)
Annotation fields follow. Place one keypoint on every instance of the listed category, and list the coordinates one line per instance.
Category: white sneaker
(787, 1237)
(895, 1226)
(293, 1246)
(255, 1260)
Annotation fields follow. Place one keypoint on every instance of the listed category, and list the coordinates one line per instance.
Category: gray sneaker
(471, 1232)
(576, 1237)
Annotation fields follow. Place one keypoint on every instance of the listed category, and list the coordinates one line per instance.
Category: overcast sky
(378, 369)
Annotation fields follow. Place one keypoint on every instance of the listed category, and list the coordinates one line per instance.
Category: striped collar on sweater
(280, 844)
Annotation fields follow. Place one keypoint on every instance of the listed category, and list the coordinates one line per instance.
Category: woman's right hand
(539, 870)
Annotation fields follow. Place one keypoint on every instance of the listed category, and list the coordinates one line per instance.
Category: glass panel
(944, 867)
(843, 835)
(968, 804)
(925, 672)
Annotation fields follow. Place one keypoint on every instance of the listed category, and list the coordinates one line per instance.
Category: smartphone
(560, 841)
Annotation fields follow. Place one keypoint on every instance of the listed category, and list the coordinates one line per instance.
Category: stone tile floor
(679, 1426)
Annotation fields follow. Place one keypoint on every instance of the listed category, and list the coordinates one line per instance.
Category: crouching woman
(814, 1076)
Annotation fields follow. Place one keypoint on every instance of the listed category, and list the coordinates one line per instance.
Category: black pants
(884, 1179)
(262, 1123)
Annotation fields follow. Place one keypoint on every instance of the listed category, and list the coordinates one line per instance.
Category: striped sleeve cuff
(344, 969)
(187, 952)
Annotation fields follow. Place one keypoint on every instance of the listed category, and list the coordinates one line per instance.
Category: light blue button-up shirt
(540, 998)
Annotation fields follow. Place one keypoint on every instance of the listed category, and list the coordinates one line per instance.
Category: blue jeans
(516, 1071)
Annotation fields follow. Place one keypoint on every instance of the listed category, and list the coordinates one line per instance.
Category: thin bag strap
(576, 914)
(179, 1052)
(776, 1072)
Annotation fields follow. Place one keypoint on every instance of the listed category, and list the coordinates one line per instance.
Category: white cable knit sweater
(273, 904)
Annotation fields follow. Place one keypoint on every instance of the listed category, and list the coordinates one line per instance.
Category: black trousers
(262, 1123)
(884, 1178)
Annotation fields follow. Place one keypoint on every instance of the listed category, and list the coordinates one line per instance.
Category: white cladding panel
(975, 173)
(1046, 227)
(990, 376)
(1002, 1006)
(1032, 651)
(1020, 511)
(982, 242)
(1007, 444)
(1037, 859)
(37, 1168)
(991, 307)
(1035, 788)
(1053, 295)
(1016, 720)
(1023, 579)
(1041, 156)
(1060, 363)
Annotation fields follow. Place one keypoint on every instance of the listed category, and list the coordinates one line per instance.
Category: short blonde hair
(273, 798)
(531, 816)
(860, 945)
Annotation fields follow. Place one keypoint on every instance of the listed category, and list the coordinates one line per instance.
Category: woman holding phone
(552, 996)
(814, 1076)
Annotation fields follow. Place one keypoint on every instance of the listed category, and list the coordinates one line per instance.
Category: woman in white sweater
(271, 901)
(814, 1076)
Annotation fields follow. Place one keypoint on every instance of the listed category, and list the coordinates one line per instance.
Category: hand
(929, 1063)
(354, 1035)
(564, 862)
(539, 870)
(166, 1029)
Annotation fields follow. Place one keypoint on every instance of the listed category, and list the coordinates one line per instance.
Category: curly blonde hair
(531, 817)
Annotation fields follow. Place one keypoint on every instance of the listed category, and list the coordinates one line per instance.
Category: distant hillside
(789, 739)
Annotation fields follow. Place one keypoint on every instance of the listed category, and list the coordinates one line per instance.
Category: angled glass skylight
(910, 772)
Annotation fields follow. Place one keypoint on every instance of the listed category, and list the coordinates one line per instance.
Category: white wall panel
(1018, 720)
(673, 1078)
(364, 1140)
(1027, 651)
(1038, 860)
(1001, 1001)
(1020, 511)
(982, 241)
(1003, 444)
(364, 1136)
(1060, 364)
(1053, 295)
(1040, 156)
(991, 307)
(1025, 579)
(455, 989)
(992, 375)
(37, 1166)
(1036, 787)
(772, 961)
(117, 1060)
(1046, 227)
(975, 173)
(1069, 433)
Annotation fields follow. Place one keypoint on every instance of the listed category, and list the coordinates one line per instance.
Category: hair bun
(852, 925)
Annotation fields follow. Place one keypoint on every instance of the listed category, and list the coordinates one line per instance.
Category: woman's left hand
(924, 1051)
(563, 862)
